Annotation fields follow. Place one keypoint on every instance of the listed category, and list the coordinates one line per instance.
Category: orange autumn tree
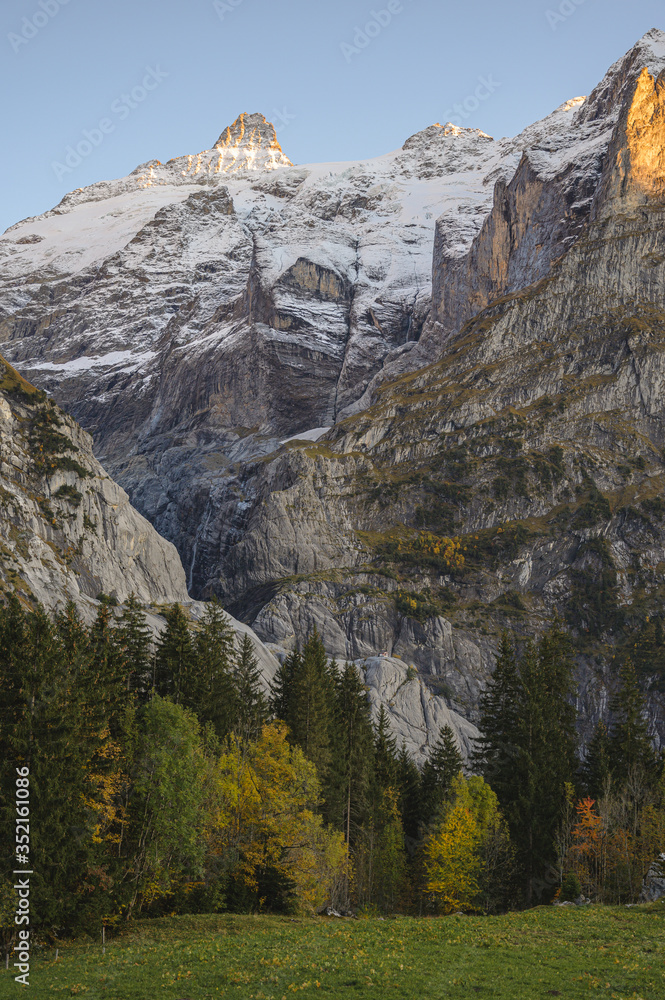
(588, 850)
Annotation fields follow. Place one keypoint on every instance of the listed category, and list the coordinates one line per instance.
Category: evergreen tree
(106, 670)
(385, 753)
(72, 633)
(310, 703)
(56, 720)
(631, 749)
(212, 692)
(282, 688)
(409, 795)
(252, 710)
(441, 768)
(354, 751)
(547, 764)
(495, 753)
(135, 639)
(527, 753)
(597, 769)
(175, 657)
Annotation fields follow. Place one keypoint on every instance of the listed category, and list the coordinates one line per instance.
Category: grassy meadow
(610, 952)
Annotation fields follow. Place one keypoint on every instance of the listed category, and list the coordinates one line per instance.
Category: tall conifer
(441, 768)
(212, 692)
(175, 657)
(252, 707)
(596, 769)
(631, 749)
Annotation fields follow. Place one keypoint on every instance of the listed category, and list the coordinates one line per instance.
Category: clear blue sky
(283, 58)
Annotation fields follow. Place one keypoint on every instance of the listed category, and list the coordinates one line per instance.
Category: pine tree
(252, 707)
(56, 719)
(440, 770)
(631, 749)
(175, 657)
(597, 769)
(71, 632)
(106, 671)
(547, 763)
(495, 751)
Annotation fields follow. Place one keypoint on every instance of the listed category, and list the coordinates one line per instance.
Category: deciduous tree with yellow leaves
(266, 822)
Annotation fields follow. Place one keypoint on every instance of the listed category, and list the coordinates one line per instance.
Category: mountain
(68, 532)
(309, 377)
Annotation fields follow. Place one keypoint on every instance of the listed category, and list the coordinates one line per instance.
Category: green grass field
(593, 952)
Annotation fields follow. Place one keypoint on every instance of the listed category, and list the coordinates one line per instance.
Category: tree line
(163, 779)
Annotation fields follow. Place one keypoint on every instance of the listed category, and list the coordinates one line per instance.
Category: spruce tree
(547, 763)
(282, 687)
(409, 782)
(631, 749)
(309, 712)
(385, 753)
(354, 751)
(106, 671)
(175, 657)
(596, 769)
(441, 768)
(496, 750)
(527, 752)
(135, 638)
(212, 692)
(252, 707)
(72, 633)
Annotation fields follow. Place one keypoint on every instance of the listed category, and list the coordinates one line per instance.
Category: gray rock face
(653, 886)
(416, 715)
(355, 624)
(67, 531)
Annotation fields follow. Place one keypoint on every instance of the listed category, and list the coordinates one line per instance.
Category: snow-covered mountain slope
(195, 314)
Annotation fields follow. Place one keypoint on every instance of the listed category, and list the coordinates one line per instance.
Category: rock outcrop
(67, 531)
(653, 884)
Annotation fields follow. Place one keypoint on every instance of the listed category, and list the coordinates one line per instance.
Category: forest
(163, 780)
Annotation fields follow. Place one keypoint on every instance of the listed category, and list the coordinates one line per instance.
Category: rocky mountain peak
(250, 143)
